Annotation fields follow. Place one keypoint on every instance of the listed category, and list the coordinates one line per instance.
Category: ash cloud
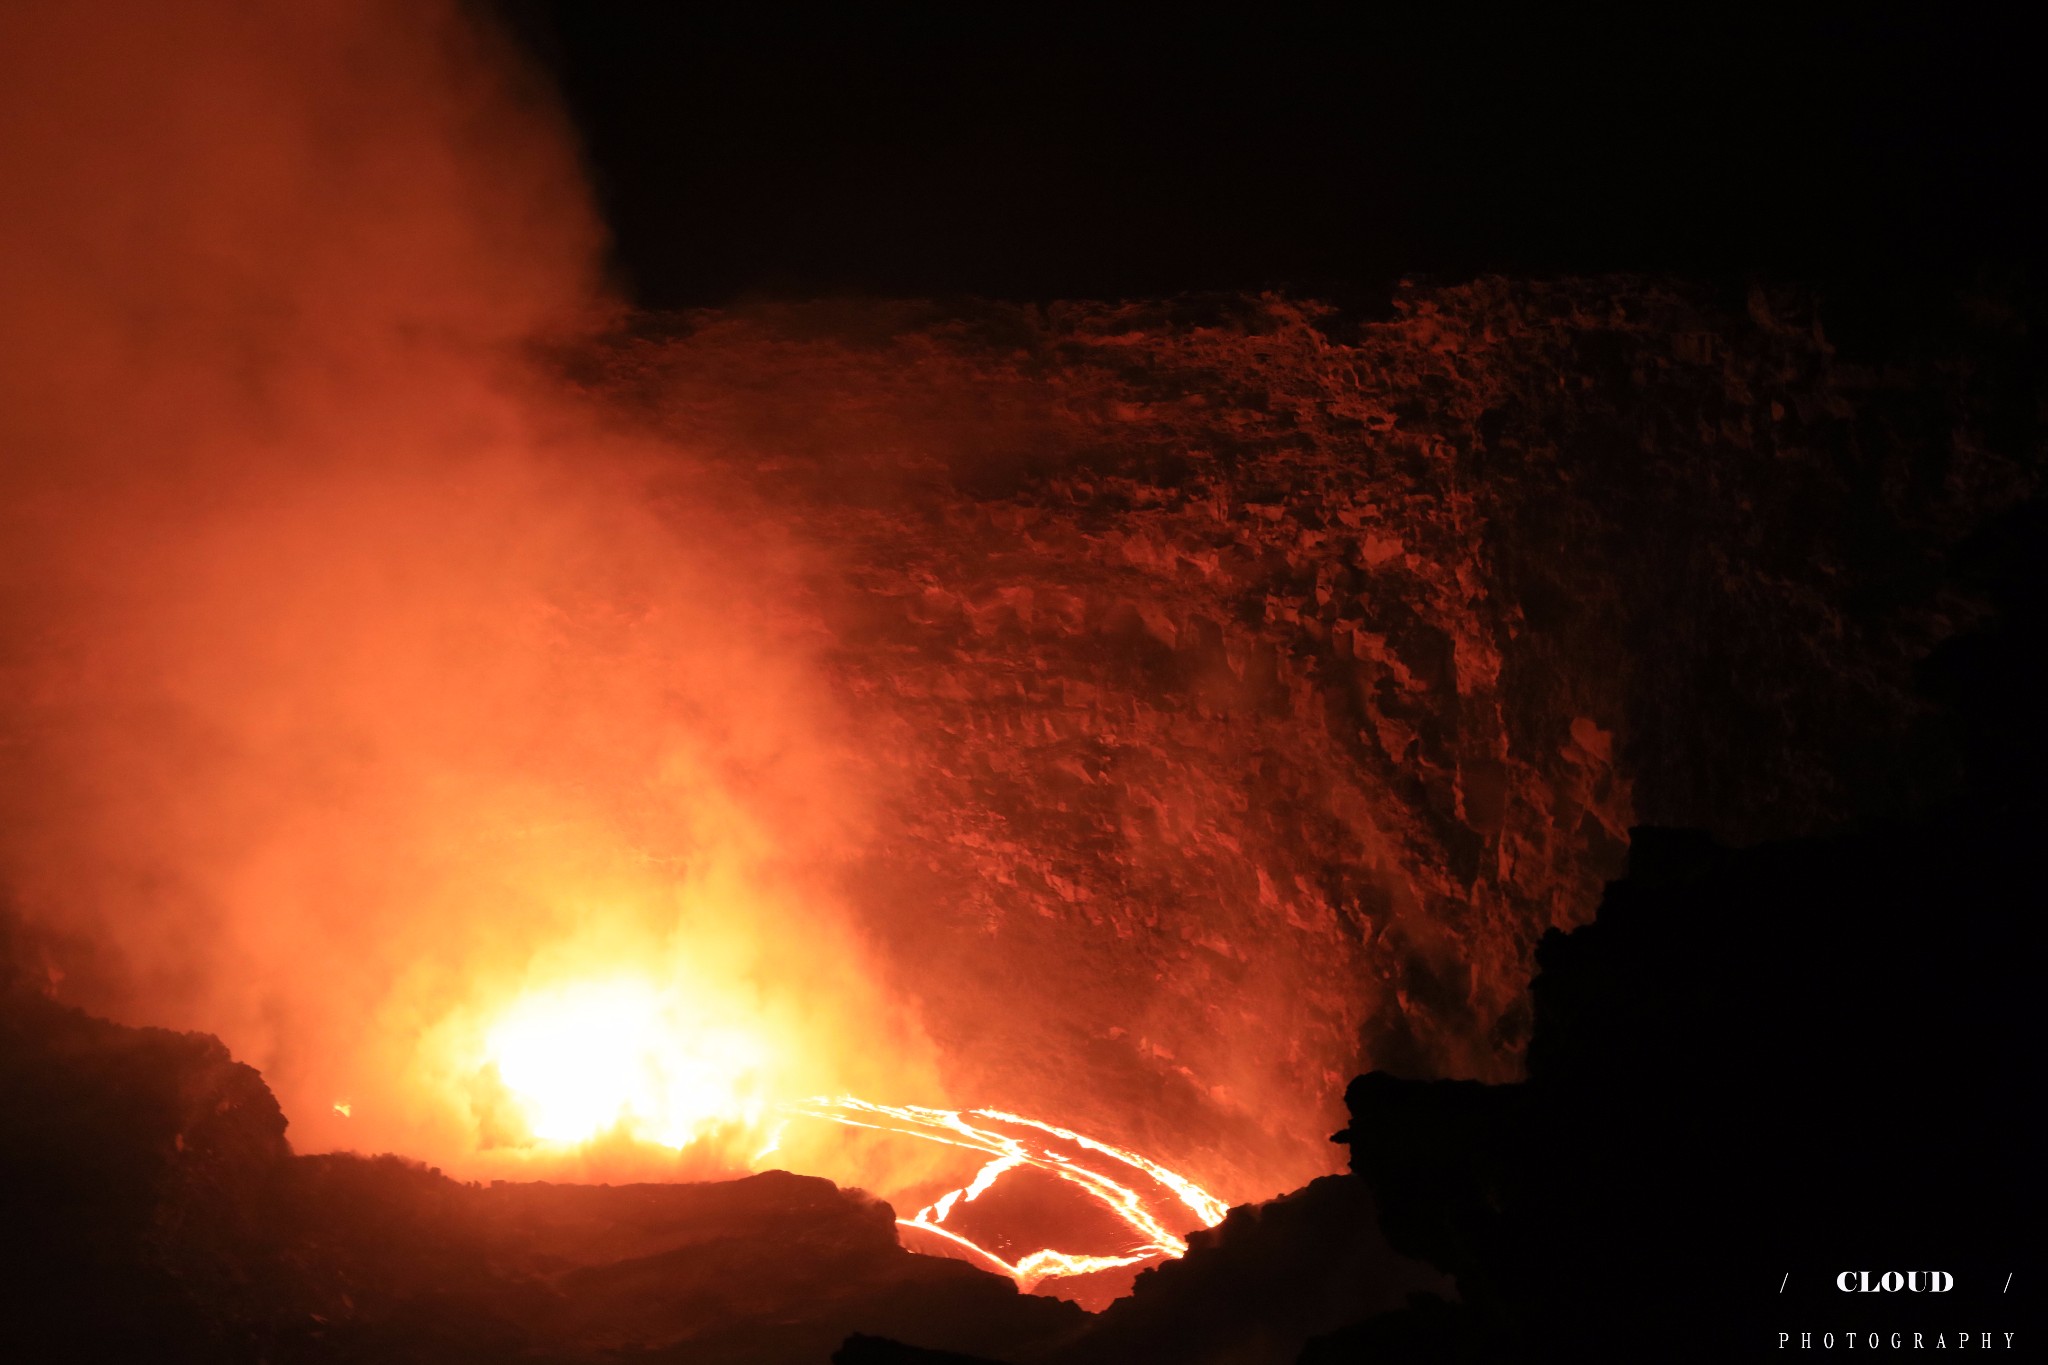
(357, 677)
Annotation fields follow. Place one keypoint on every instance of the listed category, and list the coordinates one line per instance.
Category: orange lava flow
(1138, 1195)
(593, 1061)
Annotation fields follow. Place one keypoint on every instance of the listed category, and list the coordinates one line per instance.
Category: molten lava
(1141, 1195)
(620, 1058)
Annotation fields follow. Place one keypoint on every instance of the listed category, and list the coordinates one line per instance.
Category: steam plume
(356, 679)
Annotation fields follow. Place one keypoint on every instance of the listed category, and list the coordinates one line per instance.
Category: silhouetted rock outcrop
(138, 1169)
(1788, 1060)
(1253, 1288)
(860, 1349)
(153, 1211)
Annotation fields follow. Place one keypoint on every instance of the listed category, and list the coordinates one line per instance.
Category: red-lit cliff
(1242, 690)
(1253, 685)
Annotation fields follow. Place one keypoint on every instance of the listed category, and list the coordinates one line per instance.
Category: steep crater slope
(1250, 689)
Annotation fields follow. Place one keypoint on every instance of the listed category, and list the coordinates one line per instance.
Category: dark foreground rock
(861, 1349)
(153, 1211)
(1760, 1068)
(1252, 1289)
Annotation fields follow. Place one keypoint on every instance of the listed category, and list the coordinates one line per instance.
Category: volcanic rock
(155, 1211)
(1249, 691)
(1250, 687)
(1755, 1069)
(1255, 1287)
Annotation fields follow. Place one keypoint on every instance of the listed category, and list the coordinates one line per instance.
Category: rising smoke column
(356, 680)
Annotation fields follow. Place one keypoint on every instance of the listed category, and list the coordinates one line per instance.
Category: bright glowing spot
(605, 1057)
(621, 1055)
(342, 1108)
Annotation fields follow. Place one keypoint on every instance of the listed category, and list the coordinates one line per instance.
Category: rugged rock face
(1247, 692)
(135, 1167)
(1252, 688)
(1816, 1054)
(155, 1212)
(1255, 1287)
(1754, 1069)
(1809, 1054)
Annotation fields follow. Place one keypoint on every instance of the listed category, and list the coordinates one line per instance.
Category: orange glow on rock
(593, 1070)
(488, 767)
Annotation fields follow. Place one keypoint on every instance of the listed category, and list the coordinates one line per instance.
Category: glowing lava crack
(619, 1057)
(1013, 1142)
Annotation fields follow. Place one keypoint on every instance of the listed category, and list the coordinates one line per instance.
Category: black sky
(1048, 151)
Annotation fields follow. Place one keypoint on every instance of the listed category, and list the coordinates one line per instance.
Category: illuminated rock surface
(1805, 1055)
(1247, 692)
(1253, 687)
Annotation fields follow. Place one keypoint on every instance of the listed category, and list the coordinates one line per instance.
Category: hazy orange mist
(356, 683)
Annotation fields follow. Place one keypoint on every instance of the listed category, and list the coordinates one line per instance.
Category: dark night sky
(1047, 151)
